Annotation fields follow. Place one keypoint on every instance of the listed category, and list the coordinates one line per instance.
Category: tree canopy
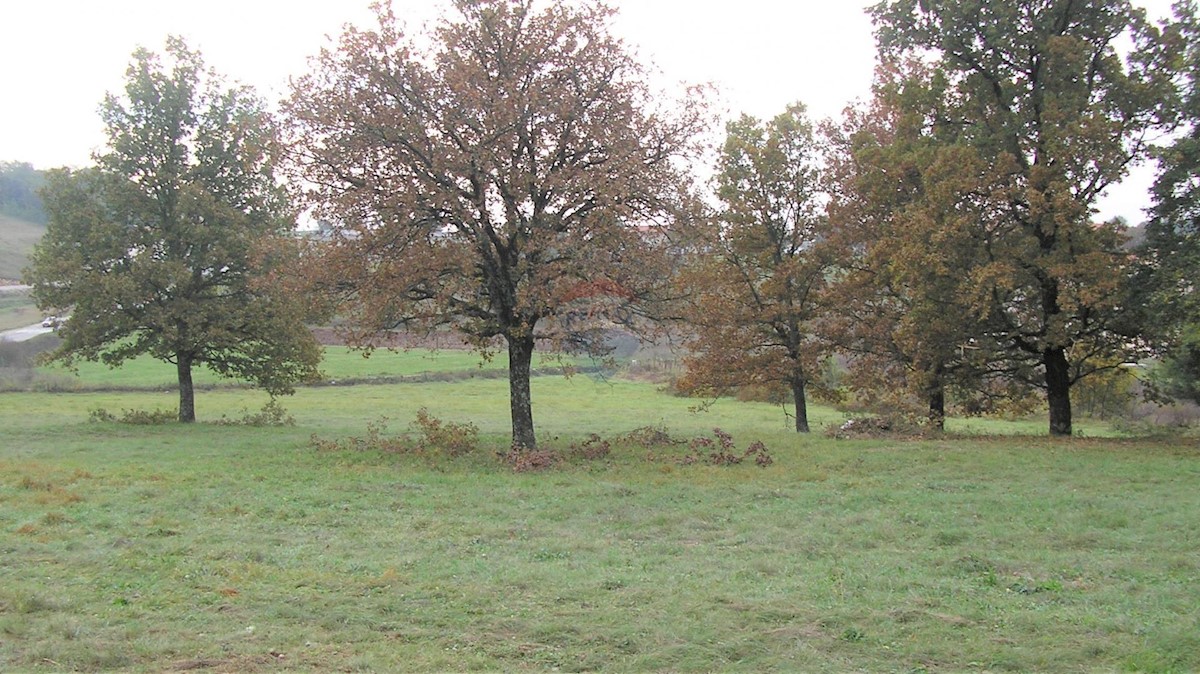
(19, 186)
(756, 288)
(1055, 99)
(511, 177)
(1169, 255)
(905, 246)
(165, 246)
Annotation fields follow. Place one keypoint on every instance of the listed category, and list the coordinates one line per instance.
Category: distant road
(23, 334)
(14, 289)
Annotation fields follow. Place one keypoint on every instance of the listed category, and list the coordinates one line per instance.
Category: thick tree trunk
(937, 397)
(801, 405)
(520, 355)
(1058, 390)
(937, 408)
(187, 394)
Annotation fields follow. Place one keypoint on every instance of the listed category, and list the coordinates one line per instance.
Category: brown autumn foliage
(508, 176)
(756, 287)
(1047, 103)
(900, 303)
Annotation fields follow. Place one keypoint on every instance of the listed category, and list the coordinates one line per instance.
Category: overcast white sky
(59, 57)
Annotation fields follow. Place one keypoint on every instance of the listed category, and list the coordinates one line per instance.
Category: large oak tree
(165, 246)
(508, 176)
(1057, 98)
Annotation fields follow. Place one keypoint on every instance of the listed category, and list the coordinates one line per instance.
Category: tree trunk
(520, 355)
(1058, 390)
(187, 394)
(937, 397)
(801, 405)
(937, 408)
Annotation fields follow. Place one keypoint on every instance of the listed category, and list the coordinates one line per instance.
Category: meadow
(17, 310)
(237, 548)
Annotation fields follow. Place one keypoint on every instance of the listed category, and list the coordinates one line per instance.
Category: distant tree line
(19, 186)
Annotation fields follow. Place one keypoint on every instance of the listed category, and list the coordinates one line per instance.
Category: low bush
(523, 460)
(375, 440)
(436, 435)
(649, 437)
(135, 417)
(592, 449)
(720, 450)
(893, 425)
(271, 414)
(448, 437)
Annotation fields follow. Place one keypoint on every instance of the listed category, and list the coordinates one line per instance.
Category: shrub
(523, 460)
(451, 438)
(595, 447)
(436, 435)
(271, 414)
(374, 440)
(1105, 395)
(772, 392)
(649, 437)
(135, 417)
(893, 425)
(720, 450)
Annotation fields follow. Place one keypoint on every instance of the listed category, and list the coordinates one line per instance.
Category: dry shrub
(897, 425)
(592, 449)
(374, 440)
(1150, 418)
(436, 435)
(720, 450)
(271, 414)
(649, 437)
(524, 460)
(451, 438)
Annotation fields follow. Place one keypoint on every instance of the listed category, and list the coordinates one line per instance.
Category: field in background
(235, 548)
(17, 310)
(17, 239)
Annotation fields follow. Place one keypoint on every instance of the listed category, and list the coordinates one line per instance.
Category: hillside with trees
(17, 239)
(22, 217)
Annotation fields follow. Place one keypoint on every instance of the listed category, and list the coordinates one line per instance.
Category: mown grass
(17, 311)
(340, 365)
(226, 548)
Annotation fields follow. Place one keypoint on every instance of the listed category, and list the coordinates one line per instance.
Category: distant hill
(17, 238)
(20, 183)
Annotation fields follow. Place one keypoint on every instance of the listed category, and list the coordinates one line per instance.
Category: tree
(757, 288)
(163, 247)
(19, 185)
(1041, 94)
(896, 307)
(905, 213)
(510, 178)
(1169, 255)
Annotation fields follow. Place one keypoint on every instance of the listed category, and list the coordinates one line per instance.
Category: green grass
(17, 311)
(17, 239)
(152, 548)
(340, 365)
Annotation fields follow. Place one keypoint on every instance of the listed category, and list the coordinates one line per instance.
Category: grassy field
(243, 549)
(17, 311)
(340, 364)
(17, 239)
